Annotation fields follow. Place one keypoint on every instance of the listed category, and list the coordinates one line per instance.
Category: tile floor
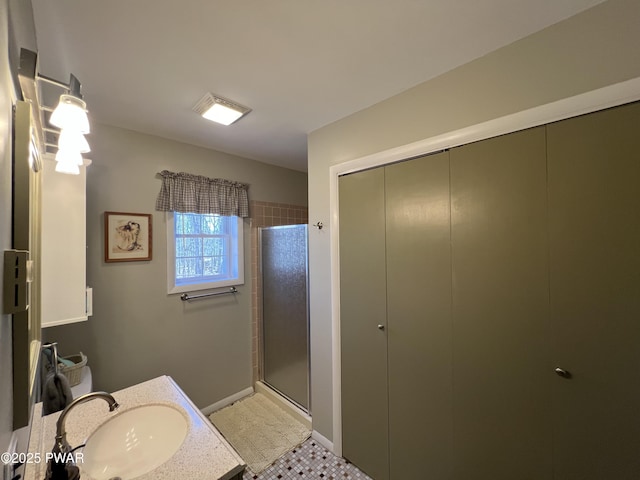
(309, 460)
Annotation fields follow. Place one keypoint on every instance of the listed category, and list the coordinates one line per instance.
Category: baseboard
(206, 411)
(284, 403)
(322, 440)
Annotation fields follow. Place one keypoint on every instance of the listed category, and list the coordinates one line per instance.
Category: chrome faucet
(61, 434)
(57, 469)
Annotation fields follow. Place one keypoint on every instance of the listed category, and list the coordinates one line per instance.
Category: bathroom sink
(134, 442)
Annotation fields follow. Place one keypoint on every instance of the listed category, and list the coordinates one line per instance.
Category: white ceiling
(299, 64)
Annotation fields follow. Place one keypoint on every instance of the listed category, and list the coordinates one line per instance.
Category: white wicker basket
(74, 372)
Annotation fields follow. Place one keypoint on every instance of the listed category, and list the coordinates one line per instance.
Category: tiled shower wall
(266, 214)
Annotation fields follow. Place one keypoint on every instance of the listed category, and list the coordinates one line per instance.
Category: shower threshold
(284, 403)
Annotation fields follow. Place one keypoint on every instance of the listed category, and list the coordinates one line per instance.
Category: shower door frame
(261, 339)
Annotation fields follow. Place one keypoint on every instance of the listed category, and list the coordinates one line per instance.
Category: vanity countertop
(205, 454)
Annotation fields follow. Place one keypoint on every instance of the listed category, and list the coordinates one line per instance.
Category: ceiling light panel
(220, 110)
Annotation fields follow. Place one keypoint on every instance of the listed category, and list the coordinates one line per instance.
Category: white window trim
(172, 288)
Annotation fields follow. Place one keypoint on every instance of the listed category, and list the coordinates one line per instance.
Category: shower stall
(285, 311)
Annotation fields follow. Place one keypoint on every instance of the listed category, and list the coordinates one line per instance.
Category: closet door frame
(601, 99)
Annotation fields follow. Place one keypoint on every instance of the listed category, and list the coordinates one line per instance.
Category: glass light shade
(73, 140)
(71, 114)
(69, 168)
(71, 157)
(222, 114)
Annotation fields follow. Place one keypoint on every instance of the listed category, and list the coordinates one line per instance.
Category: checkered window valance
(187, 193)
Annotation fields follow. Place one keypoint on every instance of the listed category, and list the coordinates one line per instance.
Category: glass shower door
(285, 311)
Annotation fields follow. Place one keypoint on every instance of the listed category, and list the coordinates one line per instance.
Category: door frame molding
(600, 99)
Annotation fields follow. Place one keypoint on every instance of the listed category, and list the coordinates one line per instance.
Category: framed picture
(127, 237)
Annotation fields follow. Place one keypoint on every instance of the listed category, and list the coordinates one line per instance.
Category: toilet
(86, 383)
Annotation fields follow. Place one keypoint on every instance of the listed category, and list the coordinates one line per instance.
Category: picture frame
(128, 237)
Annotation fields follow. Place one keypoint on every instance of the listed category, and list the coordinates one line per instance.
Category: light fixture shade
(73, 140)
(71, 157)
(68, 168)
(222, 114)
(71, 114)
(220, 110)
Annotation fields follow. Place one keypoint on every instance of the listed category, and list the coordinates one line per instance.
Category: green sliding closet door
(490, 307)
(419, 317)
(594, 211)
(501, 331)
(363, 310)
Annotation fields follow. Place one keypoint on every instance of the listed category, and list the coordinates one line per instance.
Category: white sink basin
(134, 442)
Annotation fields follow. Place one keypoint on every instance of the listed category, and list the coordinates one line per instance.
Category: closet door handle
(562, 372)
(380, 327)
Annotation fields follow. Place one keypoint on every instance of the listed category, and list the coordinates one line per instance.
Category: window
(204, 251)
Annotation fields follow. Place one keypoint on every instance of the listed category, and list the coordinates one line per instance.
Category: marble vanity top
(205, 454)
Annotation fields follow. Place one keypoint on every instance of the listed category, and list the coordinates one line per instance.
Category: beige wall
(594, 49)
(138, 331)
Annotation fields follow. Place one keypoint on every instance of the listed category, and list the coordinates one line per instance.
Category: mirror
(26, 200)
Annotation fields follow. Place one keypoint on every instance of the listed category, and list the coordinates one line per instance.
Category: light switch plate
(15, 294)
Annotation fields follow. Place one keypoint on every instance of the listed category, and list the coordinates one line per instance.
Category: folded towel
(56, 393)
(66, 362)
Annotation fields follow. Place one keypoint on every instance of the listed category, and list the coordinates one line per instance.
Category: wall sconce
(71, 114)
(69, 119)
